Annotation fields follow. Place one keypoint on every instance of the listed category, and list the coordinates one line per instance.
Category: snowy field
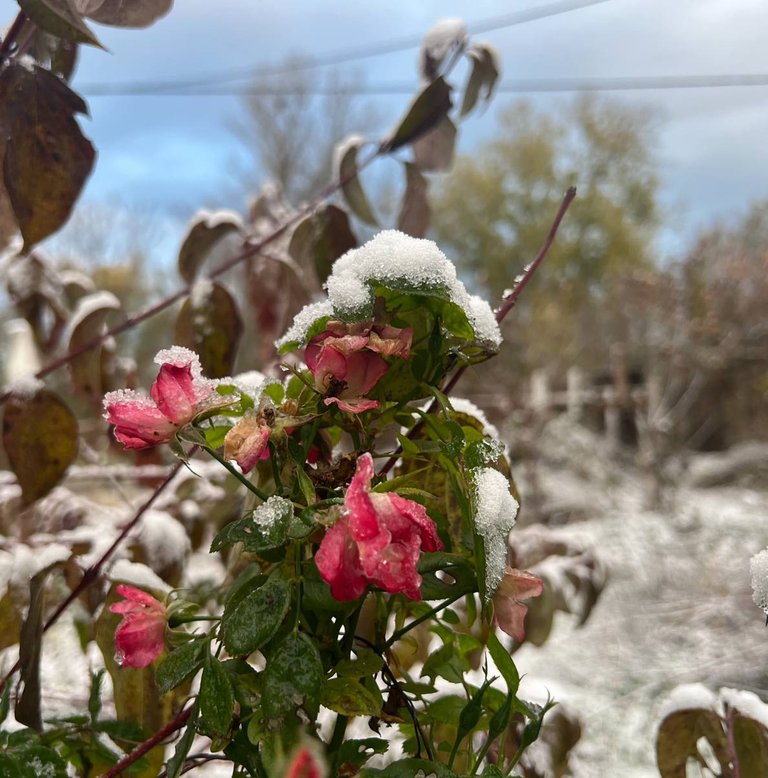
(677, 607)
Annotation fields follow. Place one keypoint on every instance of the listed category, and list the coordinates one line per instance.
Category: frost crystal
(758, 567)
(495, 513)
(270, 512)
(398, 261)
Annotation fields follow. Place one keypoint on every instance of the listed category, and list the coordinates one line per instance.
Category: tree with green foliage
(489, 214)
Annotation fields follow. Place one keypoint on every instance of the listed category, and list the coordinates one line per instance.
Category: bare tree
(291, 123)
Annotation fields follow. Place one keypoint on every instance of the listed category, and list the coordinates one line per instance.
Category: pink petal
(352, 405)
(247, 443)
(509, 610)
(418, 515)
(391, 341)
(174, 393)
(364, 369)
(395, 569)
(140, 639)
(363, 519)
(338, 562)
(304, 765)
(139, 424)
(136, 600)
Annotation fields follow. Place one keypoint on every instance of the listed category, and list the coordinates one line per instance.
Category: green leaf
(9, 767)
(255, 618)
(61, 18)
(264, 528)
(482, 77)
(119, 13)
(217, 700)
(94, 697)
(346, 171)
(409, 768)
(355, 753)
(176, 763)
(349, 698)
(293, 677)
(366, 662)
(426, 111)
(203, 235)
(504, 663)
(415, 212)
(5, 702)
(211, 326)
(38, 760)
(180, 665)
(47, 157)
(321, 238)
(40, 437)
(445, 575)
(306, 486)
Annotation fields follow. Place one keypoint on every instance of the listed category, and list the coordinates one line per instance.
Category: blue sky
(172, 155)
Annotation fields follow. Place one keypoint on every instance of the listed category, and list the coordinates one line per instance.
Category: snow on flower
(378, 539)
(176, 397)
(140, 637)
(346, 361)
(400, 261)
(494, 516)
(509, 606)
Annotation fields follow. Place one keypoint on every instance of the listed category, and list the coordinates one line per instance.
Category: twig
(506, 306)
(92, 573)
(251, 249)
(173, 726)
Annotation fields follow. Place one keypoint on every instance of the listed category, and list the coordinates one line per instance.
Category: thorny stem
(92, 573)
(251, 249)
(506, 306)
(173, 726)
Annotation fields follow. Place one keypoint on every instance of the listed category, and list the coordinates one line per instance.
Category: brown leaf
(433, 151)
(447, 37)
(40, 439)
(125, 13)
(47, 158)
(483, 76)
(320, 239)
(209, 324)
(53, 53)
(88, 322)
(207, 230)
(345, 163)
(678, 737)
(424, 113)
(415, 212)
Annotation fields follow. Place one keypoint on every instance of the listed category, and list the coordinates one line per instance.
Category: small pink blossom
(247, 442)
(378, 539)
(140, 637)
(176, 397)
(346, 361)
(508, 606)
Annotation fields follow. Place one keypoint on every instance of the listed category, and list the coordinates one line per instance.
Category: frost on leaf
(495, 511)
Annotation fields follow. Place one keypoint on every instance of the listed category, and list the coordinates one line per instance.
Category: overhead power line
(512, 86)
(338, 57)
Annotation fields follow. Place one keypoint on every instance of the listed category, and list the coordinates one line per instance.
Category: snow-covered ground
(677, 607)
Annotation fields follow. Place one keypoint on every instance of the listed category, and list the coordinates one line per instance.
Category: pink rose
(305, 765)
(176, 397)
(346, 361)
(508, 606)
(140, 637)
(378, 540)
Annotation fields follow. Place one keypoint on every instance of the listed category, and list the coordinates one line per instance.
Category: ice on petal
(495, 513)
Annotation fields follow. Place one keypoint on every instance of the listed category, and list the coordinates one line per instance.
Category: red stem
(173, 726)
(507, 304)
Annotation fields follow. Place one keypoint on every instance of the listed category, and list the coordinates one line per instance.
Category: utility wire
(511, 86)
(339, 57)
